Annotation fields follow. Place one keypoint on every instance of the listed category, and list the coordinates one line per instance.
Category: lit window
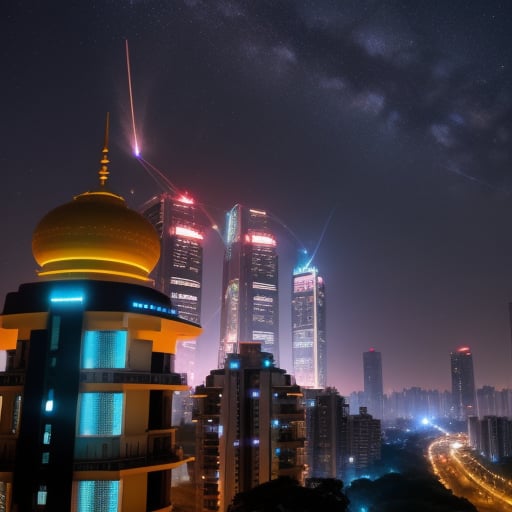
(98, 496)
(48, 407)
(104, 349)
(47, 435)
(101, 414)
(55, 333)
(45, 458)
(41, 495)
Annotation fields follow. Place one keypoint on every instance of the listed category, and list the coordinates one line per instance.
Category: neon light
(94, 271)
(94, 258)
(261, 240)
(187, 232)
(67, 299)
(153, 307)
(234, 365)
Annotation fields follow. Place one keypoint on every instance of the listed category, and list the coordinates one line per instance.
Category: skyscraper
(463, 384)
(326, 426)
(179, 270)
(86, 395)
(250, 309)
(250, 427)
(309, 345)
(373, 385)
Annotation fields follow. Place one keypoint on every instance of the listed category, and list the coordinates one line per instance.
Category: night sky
(377, 134)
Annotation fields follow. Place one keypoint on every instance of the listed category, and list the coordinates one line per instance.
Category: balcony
(129, 377)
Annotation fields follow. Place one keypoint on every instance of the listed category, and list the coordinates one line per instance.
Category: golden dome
(96, 236)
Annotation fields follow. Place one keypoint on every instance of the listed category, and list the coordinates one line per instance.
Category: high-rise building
(309, 346)
(86, 395)
(363, 444)
(179, 270)
(250, 427)
(250, 306)
(463, 384)
(373, 385)
(326, 426)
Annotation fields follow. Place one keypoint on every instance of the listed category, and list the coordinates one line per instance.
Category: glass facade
(98, 496)
(250, 309)
(104, 349)
(101, 414)
(309, 350)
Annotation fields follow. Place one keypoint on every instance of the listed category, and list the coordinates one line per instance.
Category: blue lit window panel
(47, 434)
(45, 458)
(55, 333)
(48, 406)
(98, 496)
(234, 364)
(101, 414)
(41, 495)
(104, 349)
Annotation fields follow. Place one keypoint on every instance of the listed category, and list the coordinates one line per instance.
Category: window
(104, 349)
(98, 496)
(47, 435)
(41, 495)
(101, 414)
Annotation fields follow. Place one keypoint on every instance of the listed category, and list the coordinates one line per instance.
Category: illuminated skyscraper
(309, 352)
(86, 395)
(463, 384)
(249, 309)
(373, 385)
(179, 271)
(250, 427)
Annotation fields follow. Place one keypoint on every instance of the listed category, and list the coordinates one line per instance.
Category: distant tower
(309, 346)
(373, 386)
(250, 427)
(249, 310)
(87, 390)
(463, 384)
(179, 271)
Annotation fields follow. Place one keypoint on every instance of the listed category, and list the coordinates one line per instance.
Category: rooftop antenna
(104, 172)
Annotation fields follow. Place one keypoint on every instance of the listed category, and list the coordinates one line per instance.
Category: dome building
(86, 395)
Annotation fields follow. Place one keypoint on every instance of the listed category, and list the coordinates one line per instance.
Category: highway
(458, 470)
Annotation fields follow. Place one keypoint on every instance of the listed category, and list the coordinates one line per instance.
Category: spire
(103, 172)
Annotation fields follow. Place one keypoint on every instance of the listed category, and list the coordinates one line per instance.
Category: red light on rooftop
(463, 349)
(185, 199)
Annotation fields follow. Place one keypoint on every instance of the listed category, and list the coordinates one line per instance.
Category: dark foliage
(286, 495)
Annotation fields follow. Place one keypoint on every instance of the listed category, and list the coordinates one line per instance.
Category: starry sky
(377, 135)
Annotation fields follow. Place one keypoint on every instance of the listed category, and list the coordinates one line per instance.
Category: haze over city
(376, 134)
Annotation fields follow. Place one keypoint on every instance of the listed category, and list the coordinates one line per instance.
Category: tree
(286, 495)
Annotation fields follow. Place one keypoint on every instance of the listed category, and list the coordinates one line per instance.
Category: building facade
(373, 384)
(326, 425)
(250, 427)
(463, 384)
(179, 270)
(309, 345)
(250, 305)
(86, 395)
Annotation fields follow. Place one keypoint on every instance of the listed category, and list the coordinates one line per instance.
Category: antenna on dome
(103, 172)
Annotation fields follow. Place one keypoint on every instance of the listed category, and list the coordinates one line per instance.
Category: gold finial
(103, 172)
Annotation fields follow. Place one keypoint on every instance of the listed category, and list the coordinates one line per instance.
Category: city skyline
(377, 136)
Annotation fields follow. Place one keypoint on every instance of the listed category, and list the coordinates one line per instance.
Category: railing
(117, 377)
